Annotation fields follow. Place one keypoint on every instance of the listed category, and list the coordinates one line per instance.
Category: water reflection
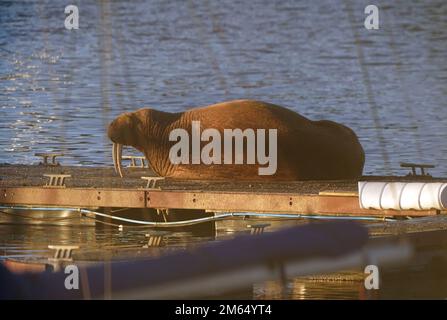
(299, 289)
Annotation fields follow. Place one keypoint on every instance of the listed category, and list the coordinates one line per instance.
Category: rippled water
(59, 89)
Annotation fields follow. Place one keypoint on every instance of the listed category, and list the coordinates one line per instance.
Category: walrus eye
(117, 155)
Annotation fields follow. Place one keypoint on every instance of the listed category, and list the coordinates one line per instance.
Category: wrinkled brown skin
(307, 150)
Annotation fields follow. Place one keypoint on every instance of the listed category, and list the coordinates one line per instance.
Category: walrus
(305, 149)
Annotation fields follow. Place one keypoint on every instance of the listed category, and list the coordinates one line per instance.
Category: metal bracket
(155, 238)
(56, 180)
(258, 228)
(45, 157)
(152, 181)
(133, 161)
(164, 213)
(62, 253)
(413, 167)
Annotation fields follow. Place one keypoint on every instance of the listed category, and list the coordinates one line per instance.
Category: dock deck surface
(102, 187)
(105, 177)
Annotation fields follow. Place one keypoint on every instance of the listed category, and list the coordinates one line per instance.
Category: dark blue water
(59, 88)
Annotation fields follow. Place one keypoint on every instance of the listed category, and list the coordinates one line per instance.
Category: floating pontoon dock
(100, 187)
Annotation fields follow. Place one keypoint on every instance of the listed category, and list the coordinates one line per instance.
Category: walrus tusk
(117, 154)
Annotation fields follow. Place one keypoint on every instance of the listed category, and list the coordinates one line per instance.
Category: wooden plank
(269, 202)
(75, 197)
(211, 200)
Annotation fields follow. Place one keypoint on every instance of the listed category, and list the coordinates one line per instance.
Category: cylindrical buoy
(402, 195)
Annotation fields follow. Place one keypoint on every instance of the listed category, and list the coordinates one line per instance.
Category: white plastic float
(403, 195)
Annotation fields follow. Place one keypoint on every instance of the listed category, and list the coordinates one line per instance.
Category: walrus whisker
(117, 154)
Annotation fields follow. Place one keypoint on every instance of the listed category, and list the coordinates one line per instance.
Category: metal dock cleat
(62, 253)
(413, 167)
(133, 161)
(156, 238)
(56, 180)
(258, 228)
(152, 181)
(45, 157)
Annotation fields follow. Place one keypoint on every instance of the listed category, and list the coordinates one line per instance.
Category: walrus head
(127, 129)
